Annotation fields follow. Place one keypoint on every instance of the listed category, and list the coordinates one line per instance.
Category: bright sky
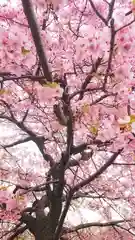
(3, 1)
(6, 1)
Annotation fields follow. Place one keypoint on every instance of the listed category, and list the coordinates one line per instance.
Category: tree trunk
(43, 229)
(43, 235)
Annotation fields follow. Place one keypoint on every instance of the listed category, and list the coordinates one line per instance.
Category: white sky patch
(3, 2)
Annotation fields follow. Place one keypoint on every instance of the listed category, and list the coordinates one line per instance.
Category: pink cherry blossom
(66, 89)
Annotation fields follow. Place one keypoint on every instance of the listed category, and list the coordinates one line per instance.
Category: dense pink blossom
(89, 47)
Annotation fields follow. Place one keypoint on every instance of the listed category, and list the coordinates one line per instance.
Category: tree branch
(111, 7)
(98, 173)
(95, 224)
(89, 77)
(126, 25)
(63, 215)
(39, 188)
(38, 140)
(87, 195)
(97, 12)
(17, 142)
(29, 221)
(112, 42)
(17, 233)
(29, 13)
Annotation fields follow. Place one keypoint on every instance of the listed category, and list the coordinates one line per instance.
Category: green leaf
(93, 129)
(51, 85)
(24, 51)
(132, 118)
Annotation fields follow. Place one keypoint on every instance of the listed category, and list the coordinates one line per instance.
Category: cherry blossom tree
(67, 95)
